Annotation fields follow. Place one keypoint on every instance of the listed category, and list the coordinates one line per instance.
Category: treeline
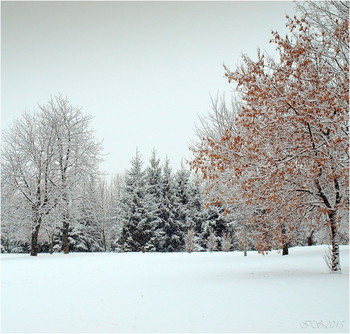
(54, 198)
(148, 209)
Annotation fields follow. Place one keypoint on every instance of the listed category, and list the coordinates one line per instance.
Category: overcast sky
(145, 70)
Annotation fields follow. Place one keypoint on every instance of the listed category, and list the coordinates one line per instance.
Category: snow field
(174, 292)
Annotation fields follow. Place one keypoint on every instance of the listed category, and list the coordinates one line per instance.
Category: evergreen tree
(136, 231)
(168, 235)
(182, 213)
(217, 222)
(195, 208)
(154, 202)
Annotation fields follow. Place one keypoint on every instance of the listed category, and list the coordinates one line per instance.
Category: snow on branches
(285, 159)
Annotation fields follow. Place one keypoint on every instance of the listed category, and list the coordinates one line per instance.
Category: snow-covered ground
(152, 292)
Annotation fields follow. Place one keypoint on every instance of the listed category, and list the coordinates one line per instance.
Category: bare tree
(14, 219)
(226, 242)
(45, 156)
(27, 165)
(76, 154)
(212, 241)
(190, 240)
(108, 195)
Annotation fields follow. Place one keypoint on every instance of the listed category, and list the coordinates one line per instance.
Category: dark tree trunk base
(34, 241)
(310, 240)
(65, 241)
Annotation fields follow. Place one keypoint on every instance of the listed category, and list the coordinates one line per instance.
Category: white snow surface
(174, 292)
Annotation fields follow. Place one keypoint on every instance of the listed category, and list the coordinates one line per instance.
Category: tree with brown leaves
(284, 158)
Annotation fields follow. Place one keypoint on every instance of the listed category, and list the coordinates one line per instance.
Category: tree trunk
(245, 240)
(285, 249)
(335, 263)
(65, 241)
(104, 240)
(51, 243)
(65, 227)
(285, 244)
(310, 241)
(34, 240)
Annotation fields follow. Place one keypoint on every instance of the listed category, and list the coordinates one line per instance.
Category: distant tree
(105, 212)
(90, 216)
(189, 239)
(212, 241)
(226, 243)
(117, 185)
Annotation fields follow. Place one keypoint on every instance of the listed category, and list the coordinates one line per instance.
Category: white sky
(145, 70)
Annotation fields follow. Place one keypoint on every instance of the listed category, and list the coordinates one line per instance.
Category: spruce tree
(182, 212)
(168, 235)
(154, 200)
(215, 221)
(136, 233)
(195, 205)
